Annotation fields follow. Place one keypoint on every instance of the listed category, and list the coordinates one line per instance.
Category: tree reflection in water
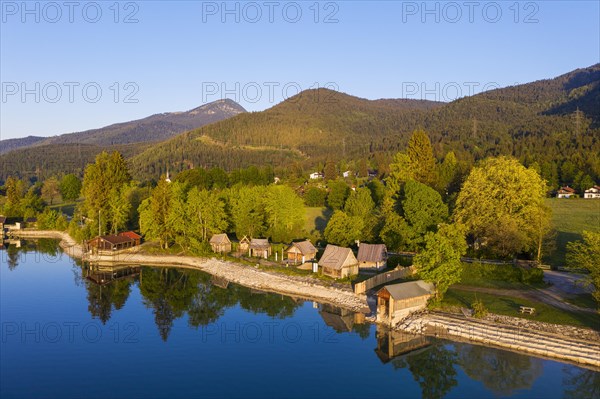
(433, 368)
(500, 371)
(172, 292)
(581, 383)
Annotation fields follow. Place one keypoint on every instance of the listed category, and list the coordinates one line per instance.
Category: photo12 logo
(270, 332)
(271, 92)
(53, 12)
(69, 332)
(453, 12)
(252, 12)
(54, 92)
(445, 92)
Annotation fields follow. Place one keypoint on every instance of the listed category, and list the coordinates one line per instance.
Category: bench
(525, 309)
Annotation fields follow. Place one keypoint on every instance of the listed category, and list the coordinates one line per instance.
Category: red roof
(131, 234)
(567, 189)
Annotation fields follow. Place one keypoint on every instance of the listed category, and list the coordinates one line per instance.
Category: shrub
(479, 309)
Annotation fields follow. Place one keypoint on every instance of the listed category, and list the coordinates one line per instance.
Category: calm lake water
(72, 331)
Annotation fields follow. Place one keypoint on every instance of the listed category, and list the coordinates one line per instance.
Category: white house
(316, 175)
(346, 174)
(593, 192)
(565, 192)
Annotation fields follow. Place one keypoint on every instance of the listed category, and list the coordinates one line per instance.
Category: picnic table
(526, 309)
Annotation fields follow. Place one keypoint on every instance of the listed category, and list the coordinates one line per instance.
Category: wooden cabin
(372, 256)
(133, 235)
(338, 262)
(110, 243)
(260, 248)
(301, 252)
(220, 243)
(244, 244)
(396, 301)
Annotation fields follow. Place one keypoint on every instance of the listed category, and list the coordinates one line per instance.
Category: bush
(51, 220)
(476, 272)
(479, 309)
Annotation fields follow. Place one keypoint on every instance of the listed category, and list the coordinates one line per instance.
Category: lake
(71, 330)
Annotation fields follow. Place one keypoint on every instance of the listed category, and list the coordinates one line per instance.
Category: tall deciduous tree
(338, 192)
(248, 211)
(206, 213)
(420, 154)
(586, 255)
(343, 229)
(439, 262)
(70, 187)
(502, 203)
(155, 221)
(285, 213)
(50, 190)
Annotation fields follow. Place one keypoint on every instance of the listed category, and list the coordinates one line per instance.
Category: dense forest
(550, 125)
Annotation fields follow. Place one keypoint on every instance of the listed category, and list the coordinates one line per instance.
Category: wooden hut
(260, 248)
(301, 252)
(372, 256)
(396, 301)
(338, 262)
(244, 244)
(110, 243)
(220, 243)
(133, 235)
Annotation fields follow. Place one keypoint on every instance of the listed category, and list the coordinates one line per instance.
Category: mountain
(13, 144)
(552, 124)
(157, 127)
(547, 122)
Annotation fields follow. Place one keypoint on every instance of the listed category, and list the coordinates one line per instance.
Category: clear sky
(72, 66)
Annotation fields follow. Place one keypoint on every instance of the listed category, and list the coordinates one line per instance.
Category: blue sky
(67, 68)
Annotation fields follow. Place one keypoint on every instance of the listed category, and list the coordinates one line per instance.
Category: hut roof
(220, 239)
(411, 289)
(131, 234)
(335, 257)
(260, 243)
(114, 239)
(245, 239)
(305, 247)
(371, 252)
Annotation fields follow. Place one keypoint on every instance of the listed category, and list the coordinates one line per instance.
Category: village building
(565, 192)
(109, 243)
(396, 301)
(260, 248)
(316, 175)
(338, 262)
(220, 243)
(133, 235)
(244, 244)
(372, 256)
(593, 192)
(347, 174)
(301, 252)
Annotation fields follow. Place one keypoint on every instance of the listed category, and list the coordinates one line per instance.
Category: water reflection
(433, 369)
(502, 372)
(172, 293)
(581, 383)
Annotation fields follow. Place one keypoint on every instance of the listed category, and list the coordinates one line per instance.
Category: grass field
(508, 306)
(317, 218)
(569, 218)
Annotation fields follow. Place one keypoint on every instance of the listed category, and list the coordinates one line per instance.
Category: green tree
(248, 211)
(423, 207)
(343, 229)
(119, 207)
(330, 171)
(439, 262)
(285, 213)
(154, 211)
(586, 255)
(207, 216)
(50, 190)
(338, 192)
(360, 203)
(314, 197)
(420, 154)
(70, 187)
(502, 203)
(108, 173)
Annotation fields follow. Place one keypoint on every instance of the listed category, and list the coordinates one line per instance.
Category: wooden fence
(364, 286)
